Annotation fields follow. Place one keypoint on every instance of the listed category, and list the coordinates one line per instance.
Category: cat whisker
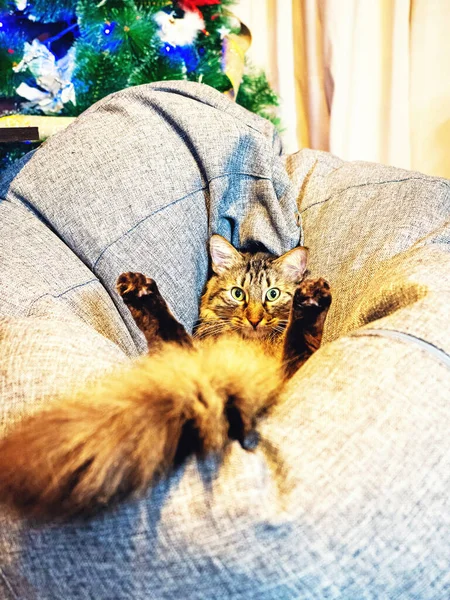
(208, 322)
(210, 329)
(207, 332)
(277, 329)
(213, 324)
(215, 320)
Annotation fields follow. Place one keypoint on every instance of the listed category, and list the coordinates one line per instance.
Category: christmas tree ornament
(58, 57)
(53, 78)
(235, 45)
(179, 27)
(223, 31)
(194, 5)
(187, 57)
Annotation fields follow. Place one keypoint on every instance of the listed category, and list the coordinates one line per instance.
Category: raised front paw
(132, 286)
(312, 293)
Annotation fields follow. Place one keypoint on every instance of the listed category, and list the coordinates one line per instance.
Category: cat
(260, 320)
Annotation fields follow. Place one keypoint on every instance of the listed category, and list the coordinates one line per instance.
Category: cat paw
(312, 293)
(132, 286)
(150, 311)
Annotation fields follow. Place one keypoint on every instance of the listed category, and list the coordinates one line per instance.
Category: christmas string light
(116, 44)
(108, 28)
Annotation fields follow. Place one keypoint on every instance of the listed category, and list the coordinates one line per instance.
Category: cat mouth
(258, 333)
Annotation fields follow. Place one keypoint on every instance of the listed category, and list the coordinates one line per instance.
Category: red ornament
(193, 5)
(10, 51)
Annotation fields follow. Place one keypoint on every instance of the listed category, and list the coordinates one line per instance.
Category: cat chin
(255, 334)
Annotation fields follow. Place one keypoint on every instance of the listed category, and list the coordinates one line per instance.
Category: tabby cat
(259, 322)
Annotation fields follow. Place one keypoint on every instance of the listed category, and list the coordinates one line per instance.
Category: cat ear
(293, 263)
(223, 254)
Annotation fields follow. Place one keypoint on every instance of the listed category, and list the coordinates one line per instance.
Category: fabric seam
(74, 287)
(8, 585)
(352, 187)
(409, 339)
(155, 212)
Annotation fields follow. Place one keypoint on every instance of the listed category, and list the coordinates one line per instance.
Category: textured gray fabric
(347, 494)
(107, 184)
(381, 236)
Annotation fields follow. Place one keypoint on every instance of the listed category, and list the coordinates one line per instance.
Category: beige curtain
(364, 79)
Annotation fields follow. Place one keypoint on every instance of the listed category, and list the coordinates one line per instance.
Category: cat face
(250, 294)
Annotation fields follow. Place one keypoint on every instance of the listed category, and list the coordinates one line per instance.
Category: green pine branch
(131, 54)
(98, 74)
(256, 95)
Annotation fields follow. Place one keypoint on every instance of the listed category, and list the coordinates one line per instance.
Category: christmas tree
(57, 57)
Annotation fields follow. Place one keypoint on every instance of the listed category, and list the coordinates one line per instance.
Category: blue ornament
(184, 54)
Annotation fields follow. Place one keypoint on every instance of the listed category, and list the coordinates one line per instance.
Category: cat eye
(272, 294)
(237, 294)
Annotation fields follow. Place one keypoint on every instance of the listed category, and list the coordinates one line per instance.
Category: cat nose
(254, 321)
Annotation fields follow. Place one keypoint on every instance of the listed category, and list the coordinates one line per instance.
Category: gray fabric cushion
(141, 180)
(381, 236)
(346, 496)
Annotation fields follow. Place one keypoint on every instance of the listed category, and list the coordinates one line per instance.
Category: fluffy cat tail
(117, 435)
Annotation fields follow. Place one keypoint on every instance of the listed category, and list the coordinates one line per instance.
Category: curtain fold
(364, 79)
